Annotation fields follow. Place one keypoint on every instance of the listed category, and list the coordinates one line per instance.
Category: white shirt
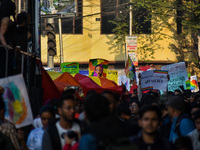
(194, 138)
(75, 127)
(34, 141)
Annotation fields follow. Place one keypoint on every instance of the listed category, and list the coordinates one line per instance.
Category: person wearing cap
(181, 122)
(195, 134)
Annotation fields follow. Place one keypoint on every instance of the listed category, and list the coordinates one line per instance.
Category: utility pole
(130, 19)
(60, 39)
(130, 27)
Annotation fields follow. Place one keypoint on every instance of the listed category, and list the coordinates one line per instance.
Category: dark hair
(154, 108)
(47, 108)
(96, 107)
(110, 93)
(65, 98)
(123, 108)
(135, 100)
(183, 142)
(21, 17)
(2, 104)
(197, 115)
(69, 91)
(177, 90)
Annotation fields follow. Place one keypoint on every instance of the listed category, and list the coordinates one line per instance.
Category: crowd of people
(109, 120)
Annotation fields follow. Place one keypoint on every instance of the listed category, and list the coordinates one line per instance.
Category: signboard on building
(131, 48)
(71, 67)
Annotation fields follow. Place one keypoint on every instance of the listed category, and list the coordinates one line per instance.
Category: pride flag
(94, 62)
(194, 84)
(130, 69)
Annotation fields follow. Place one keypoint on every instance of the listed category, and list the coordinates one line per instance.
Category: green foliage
(163, 14)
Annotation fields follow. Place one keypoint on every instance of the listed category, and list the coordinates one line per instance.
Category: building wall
(92, 44)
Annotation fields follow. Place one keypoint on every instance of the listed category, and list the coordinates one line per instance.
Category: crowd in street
(110, 121)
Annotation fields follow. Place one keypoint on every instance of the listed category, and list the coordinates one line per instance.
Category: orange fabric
(68, 79)
(105, 83)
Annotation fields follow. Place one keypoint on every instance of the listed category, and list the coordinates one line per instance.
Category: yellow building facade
(92, 44)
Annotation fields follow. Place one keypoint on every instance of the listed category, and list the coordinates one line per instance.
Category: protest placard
(71, 67)
(124, 80)
(112, 75)
(17, 105)
(175, 83)
(194, 84)
(176, 70)
(154, 79)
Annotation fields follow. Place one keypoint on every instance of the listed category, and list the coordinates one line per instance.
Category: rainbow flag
(130, 69)
(147, 88)
(194, 84)
(94, 62)
(161, 71)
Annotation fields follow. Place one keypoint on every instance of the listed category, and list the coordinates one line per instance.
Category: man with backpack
(181, 122)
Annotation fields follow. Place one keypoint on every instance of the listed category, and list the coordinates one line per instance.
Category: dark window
(108, 13)
(114, 9)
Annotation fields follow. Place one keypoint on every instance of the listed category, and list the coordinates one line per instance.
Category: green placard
(71, 67)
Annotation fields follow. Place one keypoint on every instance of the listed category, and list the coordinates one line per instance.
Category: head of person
(123, 111)
(98, 70)
(2, 109)
(150, 118)
(66, 108)
(111, 98)
(177, 92)
(176, 106)
(47, 115)
(9, 8)
(194, 108)
(96, 107)
(22, 18)
(134, 105)
(197, 120)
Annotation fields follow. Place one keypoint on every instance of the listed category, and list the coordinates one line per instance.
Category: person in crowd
(34, 141)
(7, 28)
(71, 141)
(195, 134)
(112, 100)
(183, 143)
(21, 38)
(52, 138)
(129, 123)
(9, 129)
(165, 126)
(134, 106)
(194, 108)
(101, 125)
(37, 122)
(149, 138)
(181, 122)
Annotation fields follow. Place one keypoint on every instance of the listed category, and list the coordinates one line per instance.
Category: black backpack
(178, 121)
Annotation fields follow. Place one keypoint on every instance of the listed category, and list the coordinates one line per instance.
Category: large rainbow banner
(94, 62)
